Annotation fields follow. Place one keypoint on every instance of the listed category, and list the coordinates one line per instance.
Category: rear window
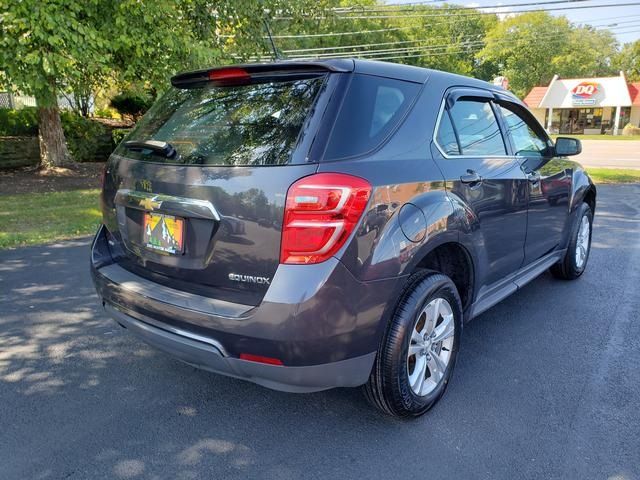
(372, 108)
(256, 124)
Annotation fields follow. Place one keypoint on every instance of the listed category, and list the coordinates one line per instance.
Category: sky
(629, 31)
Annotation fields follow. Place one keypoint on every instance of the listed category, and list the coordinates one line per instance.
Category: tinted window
(242, 125)
(525, 139)
(372, 108)
(477, 128)
(446, 137)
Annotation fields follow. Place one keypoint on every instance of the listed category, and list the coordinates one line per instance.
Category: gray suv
(310, 225)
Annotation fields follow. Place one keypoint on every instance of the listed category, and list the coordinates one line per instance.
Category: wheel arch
(452, 259)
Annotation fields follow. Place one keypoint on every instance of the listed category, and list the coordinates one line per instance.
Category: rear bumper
(209, 356)
(321, 322)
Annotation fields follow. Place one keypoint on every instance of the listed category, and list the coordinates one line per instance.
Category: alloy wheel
(430, 346)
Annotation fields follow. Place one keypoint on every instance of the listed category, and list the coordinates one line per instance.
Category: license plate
(164, 233)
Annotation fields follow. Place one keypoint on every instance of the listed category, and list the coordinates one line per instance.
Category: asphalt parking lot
(547, 386)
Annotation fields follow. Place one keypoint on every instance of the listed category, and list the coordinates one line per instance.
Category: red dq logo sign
(585, 90)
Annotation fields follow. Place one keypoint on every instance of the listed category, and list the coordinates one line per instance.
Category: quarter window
(372, 109)
(477, 129)
(526, 141)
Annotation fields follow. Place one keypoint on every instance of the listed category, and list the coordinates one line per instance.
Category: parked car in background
(381, 207)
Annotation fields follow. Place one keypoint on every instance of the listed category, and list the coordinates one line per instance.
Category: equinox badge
(249, 279)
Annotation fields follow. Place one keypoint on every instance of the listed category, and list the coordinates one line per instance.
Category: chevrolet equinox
(311, 225)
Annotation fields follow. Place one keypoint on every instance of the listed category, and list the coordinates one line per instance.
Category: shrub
(87, 140)
(630, 129)
(104, 113)
(132, 103)
(118, 134)
(16, 123)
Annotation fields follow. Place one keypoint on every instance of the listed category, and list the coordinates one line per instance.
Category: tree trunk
(53, 146)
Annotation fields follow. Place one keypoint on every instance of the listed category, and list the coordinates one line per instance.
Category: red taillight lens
(230, 76)
(321, 212)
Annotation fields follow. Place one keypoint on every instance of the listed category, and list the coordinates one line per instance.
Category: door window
(526, 141)
(446, 136)
(477, 128)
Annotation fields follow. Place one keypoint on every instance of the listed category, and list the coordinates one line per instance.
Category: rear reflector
(260, 359)
(321, 212)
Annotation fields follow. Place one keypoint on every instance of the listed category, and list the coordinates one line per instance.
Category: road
(547, 386)
(610, 154)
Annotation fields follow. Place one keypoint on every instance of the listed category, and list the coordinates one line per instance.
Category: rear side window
(256, 124)
(477, 129)
(372, 108)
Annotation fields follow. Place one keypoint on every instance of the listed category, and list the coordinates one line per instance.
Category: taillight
(321, 211)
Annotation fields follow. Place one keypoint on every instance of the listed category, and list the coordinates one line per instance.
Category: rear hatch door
(194, 197)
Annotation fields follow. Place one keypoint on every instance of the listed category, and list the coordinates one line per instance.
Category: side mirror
(565, 146)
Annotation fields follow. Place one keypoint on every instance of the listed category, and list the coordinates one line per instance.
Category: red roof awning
(634, 93)
(534, 97)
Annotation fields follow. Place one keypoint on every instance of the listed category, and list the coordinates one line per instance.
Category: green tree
(530, 48)
(53, 46)
(628, 60)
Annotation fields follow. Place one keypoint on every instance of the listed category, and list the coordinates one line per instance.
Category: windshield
(256, 124)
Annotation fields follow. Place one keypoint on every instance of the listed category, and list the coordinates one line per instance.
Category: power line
(476, 13)
(474, 49)
(468, 41)
(436, 54)
(453, 23)
(411, 27)
(402, 8)
(415, 6)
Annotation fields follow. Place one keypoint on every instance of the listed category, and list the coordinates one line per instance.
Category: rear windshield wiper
(160, 148)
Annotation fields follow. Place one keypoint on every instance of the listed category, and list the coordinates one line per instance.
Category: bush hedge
(118, 134)
(18, 123)
(630, 129)
(132, 103)
(85, 138)
(88, 141)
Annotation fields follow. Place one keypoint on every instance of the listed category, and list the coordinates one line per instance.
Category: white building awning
(587, 93)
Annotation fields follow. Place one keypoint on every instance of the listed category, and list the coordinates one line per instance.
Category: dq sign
(583, 93)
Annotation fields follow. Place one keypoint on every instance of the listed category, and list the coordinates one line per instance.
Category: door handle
(471, 178)
(533, 177)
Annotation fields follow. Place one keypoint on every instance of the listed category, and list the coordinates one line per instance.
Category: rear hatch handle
(178, 206)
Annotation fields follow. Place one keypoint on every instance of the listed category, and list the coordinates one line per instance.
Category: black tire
(567, 268)
(388, 388)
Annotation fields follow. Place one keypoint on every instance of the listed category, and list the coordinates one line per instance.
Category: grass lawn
(600, 137)
(614, 175)
(31, 218)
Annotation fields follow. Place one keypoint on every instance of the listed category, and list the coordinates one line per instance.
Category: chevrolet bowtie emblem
(150, 203)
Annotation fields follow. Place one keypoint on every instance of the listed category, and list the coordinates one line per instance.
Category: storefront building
(586, 105)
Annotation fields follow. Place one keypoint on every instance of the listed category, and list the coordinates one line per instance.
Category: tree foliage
(628, 60)
(52, 46)
(530, 48)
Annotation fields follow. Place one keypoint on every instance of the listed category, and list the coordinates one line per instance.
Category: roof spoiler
(247, 73)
